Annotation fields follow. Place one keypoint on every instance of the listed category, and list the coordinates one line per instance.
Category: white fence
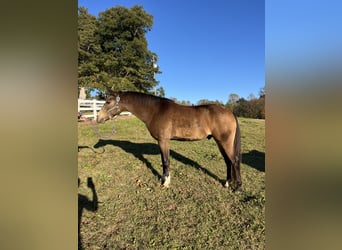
(84, 106)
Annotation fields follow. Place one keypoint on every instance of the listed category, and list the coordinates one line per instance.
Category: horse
(167, 120)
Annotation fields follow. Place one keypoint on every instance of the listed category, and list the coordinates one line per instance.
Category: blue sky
(206, 49)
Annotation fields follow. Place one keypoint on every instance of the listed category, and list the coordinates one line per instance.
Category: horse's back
(196, 122)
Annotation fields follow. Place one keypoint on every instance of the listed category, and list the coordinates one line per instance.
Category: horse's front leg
(165, 157)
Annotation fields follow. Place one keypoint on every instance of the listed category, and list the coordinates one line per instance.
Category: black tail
(238, 156)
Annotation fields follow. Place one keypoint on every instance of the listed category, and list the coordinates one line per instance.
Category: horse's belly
(190, 133)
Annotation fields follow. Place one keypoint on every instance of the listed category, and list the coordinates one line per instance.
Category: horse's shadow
(255, 159)
(141, 149)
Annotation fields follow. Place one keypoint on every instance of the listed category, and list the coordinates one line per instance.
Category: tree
(182, 102)
(160, 92)
(251, 96)
(233, 98)
(262, 92)
(261, 103)
(252, 108)
(113, 51)
(261, 107)
(205, 101)
(88, 49)
(125, 61)
(232, 101)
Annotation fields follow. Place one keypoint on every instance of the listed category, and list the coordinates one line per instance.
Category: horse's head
(111, 108)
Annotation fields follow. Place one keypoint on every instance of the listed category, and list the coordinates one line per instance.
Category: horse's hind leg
(236, 167)
(231, 177)
(233, 165)
(165, 157)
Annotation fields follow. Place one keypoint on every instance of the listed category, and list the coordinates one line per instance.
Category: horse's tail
(237, 150)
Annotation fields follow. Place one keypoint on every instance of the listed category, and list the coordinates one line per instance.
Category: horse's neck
(141, 109)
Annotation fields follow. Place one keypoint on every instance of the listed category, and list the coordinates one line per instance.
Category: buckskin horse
(167, 120)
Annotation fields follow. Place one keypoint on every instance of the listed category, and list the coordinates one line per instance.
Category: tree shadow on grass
(85, 203)
(255, 159)
(139, 149)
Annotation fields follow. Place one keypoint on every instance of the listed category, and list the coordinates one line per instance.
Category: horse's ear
(110, 92)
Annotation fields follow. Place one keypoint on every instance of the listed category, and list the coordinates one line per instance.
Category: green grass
(196, 212)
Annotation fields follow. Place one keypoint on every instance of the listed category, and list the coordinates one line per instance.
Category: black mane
(144, 97)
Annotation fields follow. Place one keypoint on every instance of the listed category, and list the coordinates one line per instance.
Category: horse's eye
(107, 102)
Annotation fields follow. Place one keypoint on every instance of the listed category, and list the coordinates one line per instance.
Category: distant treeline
(251, 108)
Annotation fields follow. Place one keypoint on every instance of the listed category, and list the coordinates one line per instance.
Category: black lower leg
(233, 173)
(238, 176)
(229, 172)
(166, 168)
(165, 157)
(228, 164)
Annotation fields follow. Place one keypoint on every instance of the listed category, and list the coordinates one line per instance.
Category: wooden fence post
(94, 109)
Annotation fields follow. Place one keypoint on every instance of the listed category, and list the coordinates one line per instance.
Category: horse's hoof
(229, 184)
(165, 185)
(166, 181)
(237, 190)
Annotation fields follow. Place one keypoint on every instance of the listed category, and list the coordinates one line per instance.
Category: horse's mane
(145, 98)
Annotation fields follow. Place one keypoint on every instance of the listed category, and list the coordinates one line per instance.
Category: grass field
(132, 211)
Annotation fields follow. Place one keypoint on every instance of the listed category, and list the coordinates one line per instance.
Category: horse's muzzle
(100, 120)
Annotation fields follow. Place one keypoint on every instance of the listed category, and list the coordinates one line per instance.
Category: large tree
(88, 49)
(118, 57)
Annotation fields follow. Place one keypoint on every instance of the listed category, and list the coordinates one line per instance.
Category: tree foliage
(252, 108)
(232, 101)
(88, 49)
(206, 101)
(113, 51)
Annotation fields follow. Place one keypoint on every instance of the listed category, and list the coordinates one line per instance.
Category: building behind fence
(89, 108)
